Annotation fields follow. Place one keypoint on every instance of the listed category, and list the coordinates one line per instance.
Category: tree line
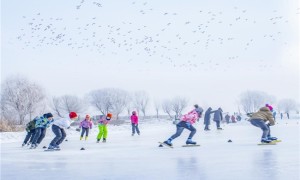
(22, 100)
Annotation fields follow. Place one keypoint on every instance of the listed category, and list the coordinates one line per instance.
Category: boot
(265, 140)
(86, 138)
(168, 142)
(81, 138)
(189, 141)
(98, 140)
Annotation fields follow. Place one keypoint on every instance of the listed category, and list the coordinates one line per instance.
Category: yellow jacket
(265, 114)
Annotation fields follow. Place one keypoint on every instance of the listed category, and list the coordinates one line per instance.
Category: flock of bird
(210, 39)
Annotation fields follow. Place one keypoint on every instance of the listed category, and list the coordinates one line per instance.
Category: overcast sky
(207, 51)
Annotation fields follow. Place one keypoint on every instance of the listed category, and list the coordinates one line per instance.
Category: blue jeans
(29, 136)
(135, 128)
(218, 124)
(37, 134)
(86, 131)
(60, 135)
(261, 124)
(42, 135)
(180, 127)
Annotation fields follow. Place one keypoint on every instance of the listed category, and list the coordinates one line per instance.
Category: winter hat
(73, 115)
(48, 115)
(270, 107)
(133, 112)
(108, 116)
(196, 106)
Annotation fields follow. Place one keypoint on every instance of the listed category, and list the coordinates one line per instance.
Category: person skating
(218, 117)
(30, 128)
(58, 128)
(40, 129)
(227, 118)
(134, 123)
(85, 126)
(187, 122)
(260, 118)
(233, 119)
(102, 125)
(207, 118)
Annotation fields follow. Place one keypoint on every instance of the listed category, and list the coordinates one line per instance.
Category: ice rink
(125, 157)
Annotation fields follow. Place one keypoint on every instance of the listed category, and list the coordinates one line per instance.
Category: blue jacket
(42, 122)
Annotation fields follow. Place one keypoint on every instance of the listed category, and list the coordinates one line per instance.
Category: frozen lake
(139, 157)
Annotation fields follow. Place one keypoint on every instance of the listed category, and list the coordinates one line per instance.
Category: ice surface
(139, 157)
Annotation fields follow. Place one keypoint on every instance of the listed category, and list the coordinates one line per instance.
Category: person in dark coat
(218, 117)
(227, 118)
(207, 118)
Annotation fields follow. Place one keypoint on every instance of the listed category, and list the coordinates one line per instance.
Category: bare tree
(72, 103)
(100, 100)
(129, 104)
(178, 104)
(20, 97)
(119, 99)
(141, 100)
(57, 106)
(167, 107)
(157, 107)
(287, 105)
(251, 101)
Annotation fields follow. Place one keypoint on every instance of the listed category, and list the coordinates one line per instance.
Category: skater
(102, 125)
(238, 118)
(274, 115)
(135, 123)
(30, 128)
(187, 122)
(233, 119)
(227, 118)
(260, 118)
(218, 117)
(58, 128)
(40, 129)
(207, 118)
(86, 125)
(288, 115)
(281, 115)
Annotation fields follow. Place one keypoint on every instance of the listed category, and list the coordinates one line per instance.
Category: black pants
(29, 136)
(86, 131)
(60, 135)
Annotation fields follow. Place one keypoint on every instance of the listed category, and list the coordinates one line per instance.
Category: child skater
(134, 123)
(102, 125)
(86, 125)
(30, 128)
(58, 129)
(41, 124)
(260, 118)
(187, 122)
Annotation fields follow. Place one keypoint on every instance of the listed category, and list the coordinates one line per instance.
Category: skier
(40, 129)
(30, 128)
(260, 118)
(218, 117)
(207, 118)
(135, 123)
(58, 129)
(86, 125)
(187, 122)
(102, 125)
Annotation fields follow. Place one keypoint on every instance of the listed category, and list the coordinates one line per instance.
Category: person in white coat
(58, 128)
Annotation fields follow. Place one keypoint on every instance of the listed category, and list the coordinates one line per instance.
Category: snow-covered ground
(125, 157)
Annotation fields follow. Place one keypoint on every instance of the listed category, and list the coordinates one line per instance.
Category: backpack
(31, 125)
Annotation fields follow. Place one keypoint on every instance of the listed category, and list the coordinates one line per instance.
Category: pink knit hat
(270, 107)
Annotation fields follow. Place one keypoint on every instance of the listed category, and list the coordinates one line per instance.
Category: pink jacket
(190, 117)
(134, 119)
(86, 124)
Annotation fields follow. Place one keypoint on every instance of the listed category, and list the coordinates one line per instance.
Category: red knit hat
(73, 115)
(109, 115)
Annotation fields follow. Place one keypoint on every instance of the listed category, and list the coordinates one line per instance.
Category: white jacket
(62, 122)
